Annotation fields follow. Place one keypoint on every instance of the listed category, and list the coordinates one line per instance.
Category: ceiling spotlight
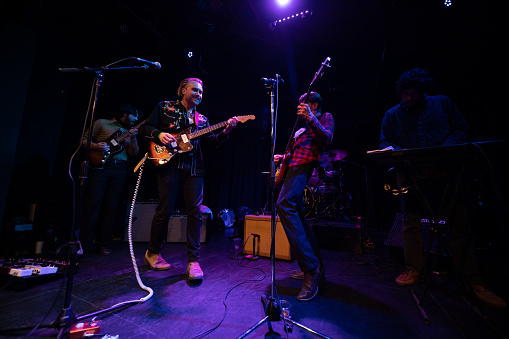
(447, 3)
(283, 3)
(190, 54)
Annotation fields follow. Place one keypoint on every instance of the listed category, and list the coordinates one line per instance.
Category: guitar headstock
(244, 118)
(323, 67)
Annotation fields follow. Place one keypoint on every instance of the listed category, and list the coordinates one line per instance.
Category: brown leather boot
(310, 284)
(156, 262)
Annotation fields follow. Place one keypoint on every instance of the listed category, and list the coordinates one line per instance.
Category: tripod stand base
(273, 313)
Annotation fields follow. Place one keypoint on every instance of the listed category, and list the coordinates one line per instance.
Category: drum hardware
(333, 155)
(324, 196)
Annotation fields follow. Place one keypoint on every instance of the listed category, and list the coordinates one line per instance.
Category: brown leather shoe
(156, 262)
(488, 297)
(407, 277)
(310, 285)
(299, 275)
(104, 251)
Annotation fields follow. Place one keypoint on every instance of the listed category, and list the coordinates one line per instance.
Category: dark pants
(170, 180)
(290, 209)
(103, 193)
(432, 181)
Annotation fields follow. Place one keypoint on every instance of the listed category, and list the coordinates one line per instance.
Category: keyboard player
(418, 121)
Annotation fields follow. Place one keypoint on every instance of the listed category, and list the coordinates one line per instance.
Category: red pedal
(80, 329)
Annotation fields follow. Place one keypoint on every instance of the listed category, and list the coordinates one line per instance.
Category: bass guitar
(284, 162)
(97, 159)
(161, 154)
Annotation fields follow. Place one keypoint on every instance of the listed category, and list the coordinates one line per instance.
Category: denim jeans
(290, 209)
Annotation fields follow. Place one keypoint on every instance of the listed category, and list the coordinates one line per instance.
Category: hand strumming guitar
(305, 111)
(277, 158)
(100, 146)
(166, 138)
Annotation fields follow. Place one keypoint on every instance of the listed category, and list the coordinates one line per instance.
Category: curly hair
(184, 83)
(416, 78)
(127, 109)
(313, 97)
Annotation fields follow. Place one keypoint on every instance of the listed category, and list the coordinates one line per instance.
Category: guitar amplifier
(261, 225)
(177, 225)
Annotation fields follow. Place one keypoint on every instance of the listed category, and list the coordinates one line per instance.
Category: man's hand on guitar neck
(231, 123)
(166, 138)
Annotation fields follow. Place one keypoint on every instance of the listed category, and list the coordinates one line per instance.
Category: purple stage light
(282, 3)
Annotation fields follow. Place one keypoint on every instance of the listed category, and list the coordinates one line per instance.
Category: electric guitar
(97, 159)
(161, 154)
(284, 162)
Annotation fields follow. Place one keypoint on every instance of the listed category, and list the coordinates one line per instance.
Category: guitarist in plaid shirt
(310, 140)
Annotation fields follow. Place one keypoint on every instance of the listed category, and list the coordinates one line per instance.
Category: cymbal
(334, 155)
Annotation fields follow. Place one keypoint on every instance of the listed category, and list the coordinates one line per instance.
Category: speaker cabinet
(261, 225)
(177, 225)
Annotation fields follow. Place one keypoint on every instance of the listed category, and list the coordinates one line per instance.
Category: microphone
(269, 81)
(156, 64)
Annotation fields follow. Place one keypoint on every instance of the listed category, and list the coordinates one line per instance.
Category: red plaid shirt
(310, 143)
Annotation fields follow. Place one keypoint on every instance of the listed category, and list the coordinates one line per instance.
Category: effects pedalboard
(32, 270)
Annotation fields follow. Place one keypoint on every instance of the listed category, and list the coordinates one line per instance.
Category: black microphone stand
(272, 306)
(67, 317)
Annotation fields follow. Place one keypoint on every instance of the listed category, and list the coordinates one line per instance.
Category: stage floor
(358, 299)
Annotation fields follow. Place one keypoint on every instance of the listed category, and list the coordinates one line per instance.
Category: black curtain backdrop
(370, 44)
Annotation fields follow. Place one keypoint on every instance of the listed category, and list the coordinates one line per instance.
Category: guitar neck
(206, 130)
(126, 133)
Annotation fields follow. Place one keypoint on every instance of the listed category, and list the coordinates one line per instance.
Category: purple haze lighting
(282, 3)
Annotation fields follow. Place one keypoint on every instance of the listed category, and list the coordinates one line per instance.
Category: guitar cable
(133, 259)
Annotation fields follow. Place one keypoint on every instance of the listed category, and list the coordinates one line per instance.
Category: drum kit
(324, 196)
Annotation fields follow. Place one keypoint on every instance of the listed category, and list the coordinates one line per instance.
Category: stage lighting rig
(301, 15)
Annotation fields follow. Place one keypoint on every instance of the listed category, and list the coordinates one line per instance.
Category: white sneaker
(194, 271)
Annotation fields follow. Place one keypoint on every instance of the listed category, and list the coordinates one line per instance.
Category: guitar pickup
(114, 142)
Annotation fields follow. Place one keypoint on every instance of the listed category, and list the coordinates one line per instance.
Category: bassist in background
(106, 183)
(309, 142)
(184, 171)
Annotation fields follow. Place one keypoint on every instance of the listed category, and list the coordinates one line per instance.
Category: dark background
(234, 44)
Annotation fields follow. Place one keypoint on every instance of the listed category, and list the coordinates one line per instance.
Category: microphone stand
(272, 306)
(67, 317)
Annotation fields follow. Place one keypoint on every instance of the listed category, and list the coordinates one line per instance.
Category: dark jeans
(103, 192)
(432, 181)
(170, 180)
(290, 209)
